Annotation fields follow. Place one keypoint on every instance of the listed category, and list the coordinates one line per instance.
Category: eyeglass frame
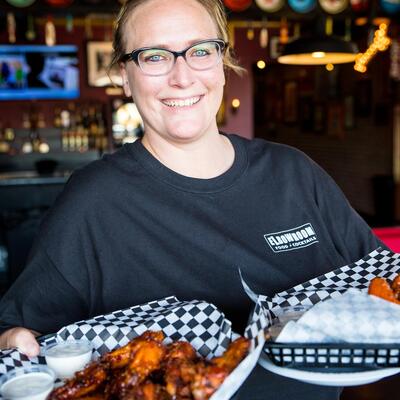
(134, 54)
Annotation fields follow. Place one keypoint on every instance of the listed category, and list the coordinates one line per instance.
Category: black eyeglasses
(199, 56)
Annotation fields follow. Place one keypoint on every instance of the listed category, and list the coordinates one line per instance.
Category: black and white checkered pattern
(380, 262)
(258, 323)
(200, 323)
(197, 322)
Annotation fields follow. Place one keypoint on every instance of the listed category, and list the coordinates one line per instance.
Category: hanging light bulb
(263, 38)
(261, 64)
(283, 32)
(319, 49)
(250, 34)
(11, 27)
(50, 32)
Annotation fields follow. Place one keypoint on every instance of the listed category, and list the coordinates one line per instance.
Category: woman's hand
(21, 338)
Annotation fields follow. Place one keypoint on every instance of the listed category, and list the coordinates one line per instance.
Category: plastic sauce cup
(283, 316)
(292, 313)
(66, 358)
(27, 383)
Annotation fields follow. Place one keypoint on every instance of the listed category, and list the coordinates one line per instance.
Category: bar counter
(22, 178)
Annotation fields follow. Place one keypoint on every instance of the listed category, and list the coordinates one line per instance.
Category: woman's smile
(182, 102)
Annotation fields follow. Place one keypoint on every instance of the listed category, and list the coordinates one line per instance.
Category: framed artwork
(98, 59)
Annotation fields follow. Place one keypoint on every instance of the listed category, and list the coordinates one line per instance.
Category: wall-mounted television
(32, 72)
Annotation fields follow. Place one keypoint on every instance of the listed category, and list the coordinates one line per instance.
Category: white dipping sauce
(68, 357)
(32, 386)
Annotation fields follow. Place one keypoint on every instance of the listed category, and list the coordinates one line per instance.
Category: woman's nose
(181, 74)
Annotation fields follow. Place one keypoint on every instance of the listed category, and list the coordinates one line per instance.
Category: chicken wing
(83, 383)
(235, 353)
(380, 287)
(209, 376)
(179, 370)
(145, 358)
(146, 391)
(396, 286)
(146, 369)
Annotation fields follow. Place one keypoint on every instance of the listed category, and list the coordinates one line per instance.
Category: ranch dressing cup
(27, 383)
(66, 358)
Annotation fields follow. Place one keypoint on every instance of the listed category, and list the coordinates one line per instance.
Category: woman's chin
(187, 133)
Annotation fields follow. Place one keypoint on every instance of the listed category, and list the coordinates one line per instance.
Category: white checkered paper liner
(378, 263)
(351, 317)
(198, 322)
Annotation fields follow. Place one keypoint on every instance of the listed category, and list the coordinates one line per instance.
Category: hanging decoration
(302, 6)
(328, 26)
(69, 23)
(11, 26)
(296, 30)
(283, 32)
(30, 33)
(391, 6)
(50, 32)
(263, 38)
(250, 34)
(381, 42)
(359, 6)
(88, 28)
(334, 6)
(237, 5)
(270, 5)
(347, 32)
(59, 3)
(21, 3)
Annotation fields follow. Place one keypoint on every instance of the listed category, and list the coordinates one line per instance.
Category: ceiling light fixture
(320, 50)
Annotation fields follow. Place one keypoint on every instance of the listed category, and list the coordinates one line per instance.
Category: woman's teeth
(182, 103)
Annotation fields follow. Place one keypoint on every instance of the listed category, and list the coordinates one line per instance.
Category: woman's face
(180, 106)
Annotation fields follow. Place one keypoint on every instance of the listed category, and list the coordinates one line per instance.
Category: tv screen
(30, 72)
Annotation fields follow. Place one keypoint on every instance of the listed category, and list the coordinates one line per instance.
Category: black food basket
(344, 356)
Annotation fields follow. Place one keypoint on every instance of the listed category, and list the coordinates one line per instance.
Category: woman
(177, 212)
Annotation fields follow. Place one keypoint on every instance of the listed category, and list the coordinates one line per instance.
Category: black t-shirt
(127, 230)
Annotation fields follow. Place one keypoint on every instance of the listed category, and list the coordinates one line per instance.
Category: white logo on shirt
(292, 239)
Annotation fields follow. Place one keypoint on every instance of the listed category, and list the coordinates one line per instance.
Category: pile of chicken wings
(147, 369)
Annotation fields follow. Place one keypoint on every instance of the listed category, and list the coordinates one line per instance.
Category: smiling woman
(177, 83)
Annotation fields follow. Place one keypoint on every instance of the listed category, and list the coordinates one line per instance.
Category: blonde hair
(214, 8)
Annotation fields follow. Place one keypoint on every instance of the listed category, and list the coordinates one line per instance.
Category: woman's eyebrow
(168, 47)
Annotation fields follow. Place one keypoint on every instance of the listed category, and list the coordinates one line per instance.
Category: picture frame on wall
(98, 56)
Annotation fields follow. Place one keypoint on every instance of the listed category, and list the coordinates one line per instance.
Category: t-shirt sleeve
(41, 298)
(352, 236)
(54, 288)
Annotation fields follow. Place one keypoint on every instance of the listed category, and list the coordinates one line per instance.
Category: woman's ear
(125, 82)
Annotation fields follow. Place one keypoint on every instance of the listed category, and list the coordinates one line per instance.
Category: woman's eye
(154, 58)
(200, 52)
